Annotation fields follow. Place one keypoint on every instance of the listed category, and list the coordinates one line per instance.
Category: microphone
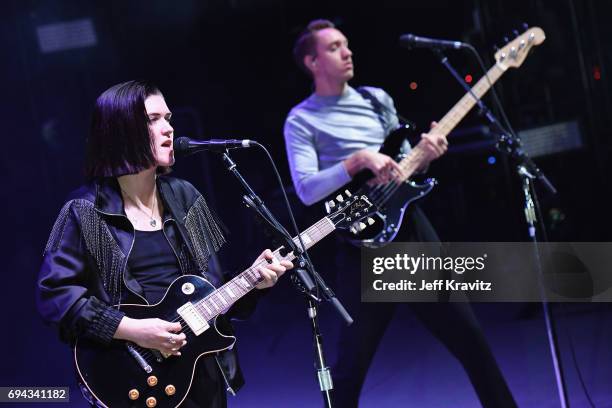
(185, 145)
(412, 41)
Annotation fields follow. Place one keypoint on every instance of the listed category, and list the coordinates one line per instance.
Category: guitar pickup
(194, 319)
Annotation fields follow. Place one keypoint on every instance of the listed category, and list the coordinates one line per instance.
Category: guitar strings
(185, 327)
(390, 188)
(147, 353)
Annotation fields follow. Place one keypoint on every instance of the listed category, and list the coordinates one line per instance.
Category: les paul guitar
(391, 200)
(127, 375)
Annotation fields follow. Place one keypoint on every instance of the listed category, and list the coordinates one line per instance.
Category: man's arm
(311, 184)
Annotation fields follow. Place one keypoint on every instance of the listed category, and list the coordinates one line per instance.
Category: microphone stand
(510, 144)
(302, 279)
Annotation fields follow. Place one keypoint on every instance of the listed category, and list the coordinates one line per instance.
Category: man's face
(334, 59)
(160, 130)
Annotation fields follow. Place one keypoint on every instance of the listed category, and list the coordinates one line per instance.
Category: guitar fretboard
(223, 298)
(414, 159)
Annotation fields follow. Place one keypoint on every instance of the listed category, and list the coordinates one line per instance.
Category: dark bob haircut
(119, 142)
(306, 44)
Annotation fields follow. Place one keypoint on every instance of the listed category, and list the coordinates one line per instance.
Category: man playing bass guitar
(330, 137)
(124, 238)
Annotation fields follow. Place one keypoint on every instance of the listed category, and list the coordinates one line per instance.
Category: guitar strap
(380, 109)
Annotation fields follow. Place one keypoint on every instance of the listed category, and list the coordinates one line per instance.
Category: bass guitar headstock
(514, 53)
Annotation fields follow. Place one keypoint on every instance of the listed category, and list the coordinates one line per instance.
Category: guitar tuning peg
(353, 230)
(339, 198)
(348, 193)
(525, 26)
(506, 40)
(329, 205)
(516, 33)
(370, 221)
(495, 48)
(362, 226)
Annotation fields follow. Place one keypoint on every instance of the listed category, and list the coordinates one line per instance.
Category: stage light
(413, 85)
(596, 73)
(468, 78)
(491, 160)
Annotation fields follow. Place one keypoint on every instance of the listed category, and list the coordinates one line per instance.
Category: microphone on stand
(412, 41)
(185, 145)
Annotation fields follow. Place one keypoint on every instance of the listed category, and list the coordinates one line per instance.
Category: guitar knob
(170, 389)
(152, 381)
(151, 402)
(133, 394)
(348, 193)
(370, 221)
(339, 198)
(362, 226)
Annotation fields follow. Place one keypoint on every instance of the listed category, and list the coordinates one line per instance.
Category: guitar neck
(465, 104)
(223, 298)
(413, 160)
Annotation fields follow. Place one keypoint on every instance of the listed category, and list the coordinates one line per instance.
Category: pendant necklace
(152, 221)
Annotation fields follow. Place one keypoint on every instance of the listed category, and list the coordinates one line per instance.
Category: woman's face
(161, 131)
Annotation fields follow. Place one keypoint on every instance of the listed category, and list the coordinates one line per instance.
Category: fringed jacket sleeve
(206, 232)
(63, 298)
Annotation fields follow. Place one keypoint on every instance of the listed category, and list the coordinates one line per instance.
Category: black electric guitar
(127, 375)
(392, 200)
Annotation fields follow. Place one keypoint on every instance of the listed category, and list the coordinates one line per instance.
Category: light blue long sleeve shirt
(322, 131)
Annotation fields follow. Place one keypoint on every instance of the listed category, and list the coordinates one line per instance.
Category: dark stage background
(226, 70)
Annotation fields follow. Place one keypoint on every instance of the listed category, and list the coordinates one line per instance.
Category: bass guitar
(127, 375)
(391, 200)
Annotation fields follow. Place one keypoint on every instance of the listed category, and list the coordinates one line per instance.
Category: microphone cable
(290, 212)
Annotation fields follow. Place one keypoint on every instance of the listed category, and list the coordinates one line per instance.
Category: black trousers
(454, 324)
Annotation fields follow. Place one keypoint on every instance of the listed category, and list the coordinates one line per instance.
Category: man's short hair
(306, 43)
(119, 141)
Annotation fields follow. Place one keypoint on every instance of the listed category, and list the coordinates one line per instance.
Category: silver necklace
(152, 221)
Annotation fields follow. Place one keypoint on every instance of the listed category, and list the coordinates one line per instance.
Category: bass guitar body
(390, 202)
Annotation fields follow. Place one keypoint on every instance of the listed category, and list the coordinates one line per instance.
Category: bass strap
(380, 109)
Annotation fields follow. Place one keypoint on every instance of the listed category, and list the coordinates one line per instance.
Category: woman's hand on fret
(271, 269)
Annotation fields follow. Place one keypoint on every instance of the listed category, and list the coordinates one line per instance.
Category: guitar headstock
(348, 211)
(514, 53)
